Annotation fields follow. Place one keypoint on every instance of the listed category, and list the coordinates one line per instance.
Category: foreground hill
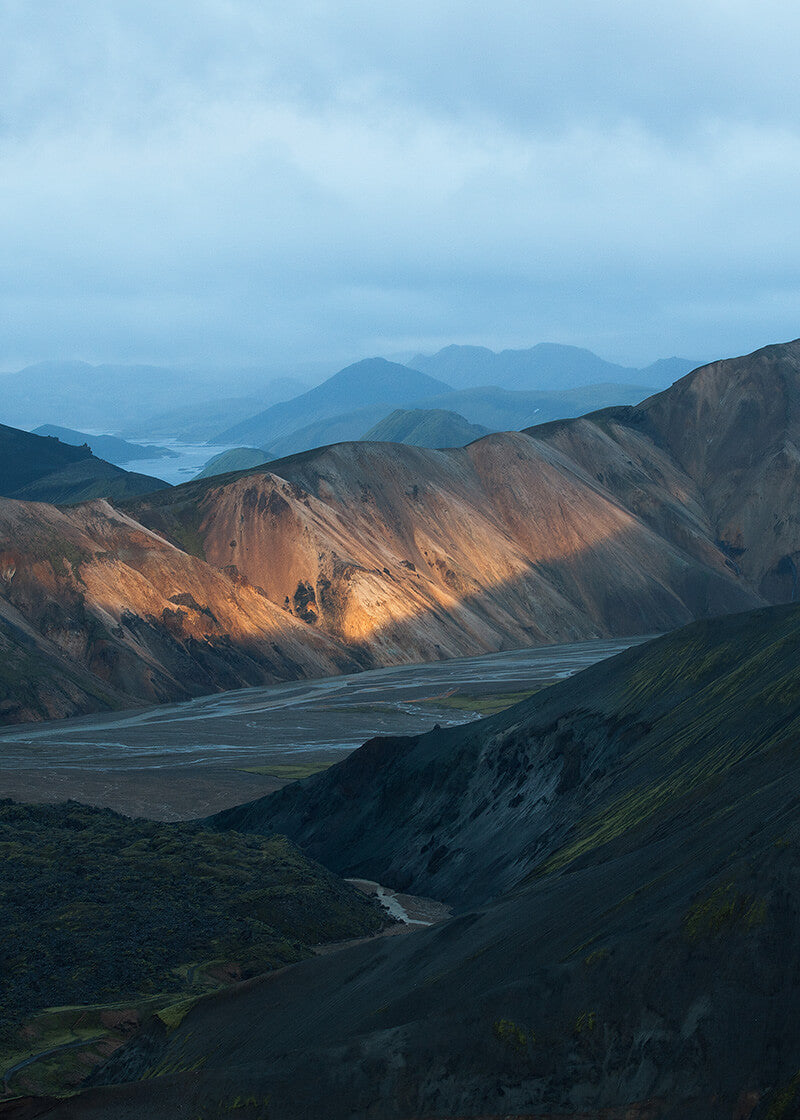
(644, 964)
(627, 521)
(114, 918)
(43, 469)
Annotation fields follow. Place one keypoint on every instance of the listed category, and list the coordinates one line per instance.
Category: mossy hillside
(94, 906)
(695, 708)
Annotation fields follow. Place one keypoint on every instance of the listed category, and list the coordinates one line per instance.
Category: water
(191, 458)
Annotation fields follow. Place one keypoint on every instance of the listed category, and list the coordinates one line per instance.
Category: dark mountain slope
(467, 813)
(373, 381)
(43, 469)
(645, 966)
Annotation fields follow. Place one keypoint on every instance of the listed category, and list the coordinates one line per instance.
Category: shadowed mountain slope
(644, 964)
(465, 814)
(43, 469)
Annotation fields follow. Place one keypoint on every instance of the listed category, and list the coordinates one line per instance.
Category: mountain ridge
(369, 554)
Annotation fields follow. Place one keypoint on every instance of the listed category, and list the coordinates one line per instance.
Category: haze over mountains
(498, 391)
(629, 521)
(548, 366)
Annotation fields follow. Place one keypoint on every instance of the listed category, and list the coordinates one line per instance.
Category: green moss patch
(96, 907)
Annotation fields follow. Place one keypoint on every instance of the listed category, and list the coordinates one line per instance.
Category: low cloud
(226, 183)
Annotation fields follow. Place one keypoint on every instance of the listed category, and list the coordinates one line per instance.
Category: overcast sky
(235, 182)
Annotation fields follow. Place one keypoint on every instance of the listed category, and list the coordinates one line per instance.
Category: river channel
(185, 760)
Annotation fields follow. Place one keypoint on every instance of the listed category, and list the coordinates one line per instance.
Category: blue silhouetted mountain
(493, 409)
(373, 381)
(111, 448)
(548, 366)
(426, 427)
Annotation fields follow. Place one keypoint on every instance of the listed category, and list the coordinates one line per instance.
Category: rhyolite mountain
(425, 427)
(373, 381)
(111, 448)
(546, 366)
(623, 851)
(628, 521)
(44, 469)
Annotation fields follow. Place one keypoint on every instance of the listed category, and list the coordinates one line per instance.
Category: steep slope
(413, 554)
(545, 366)
(645, 965)
(373, 381)
(43, 469)
(111, 613)
(468, 813)
(426, 427)
(111, 448)
(733, 429)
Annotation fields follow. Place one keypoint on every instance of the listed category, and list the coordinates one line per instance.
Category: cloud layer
(236, 182)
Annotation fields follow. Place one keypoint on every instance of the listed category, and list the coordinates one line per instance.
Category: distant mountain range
(127, 399)
(372, 382)
(546, 367)
(499, 392)
(110, 448)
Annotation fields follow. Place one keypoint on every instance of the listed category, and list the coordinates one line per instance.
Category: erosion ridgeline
(627, 521)
(627, 943)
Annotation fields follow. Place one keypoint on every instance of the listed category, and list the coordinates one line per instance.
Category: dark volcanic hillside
(468, 813)
(43, 469)
(645, 964)
(628, 521)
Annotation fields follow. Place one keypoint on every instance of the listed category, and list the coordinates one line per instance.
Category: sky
(232, 183)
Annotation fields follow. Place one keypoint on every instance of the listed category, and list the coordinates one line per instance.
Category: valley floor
(182, 761)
